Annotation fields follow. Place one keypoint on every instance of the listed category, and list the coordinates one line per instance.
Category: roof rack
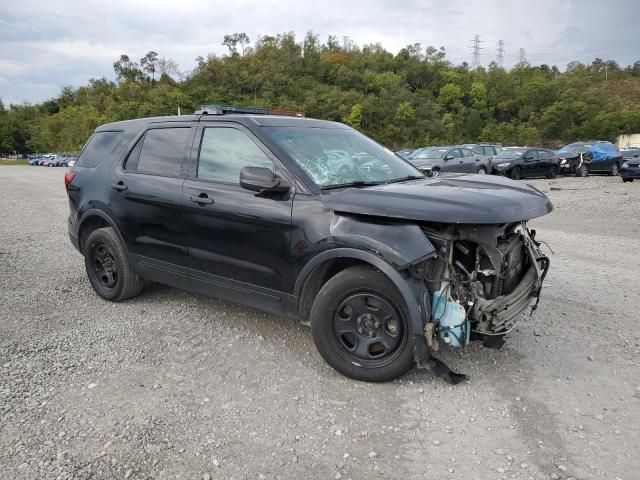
(221, 109)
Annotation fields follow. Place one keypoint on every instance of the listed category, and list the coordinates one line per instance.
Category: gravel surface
(174, 385)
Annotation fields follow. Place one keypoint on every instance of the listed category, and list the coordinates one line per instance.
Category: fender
(95, 212)
(412, 290)
(400, 244)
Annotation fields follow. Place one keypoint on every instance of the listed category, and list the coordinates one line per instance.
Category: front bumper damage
(487, 316)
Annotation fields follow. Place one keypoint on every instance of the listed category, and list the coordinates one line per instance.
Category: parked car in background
(404, 152)
(452, 158)
(35, 161)
(630, 170)
(522, 162)
(487, 149)
(582, 158)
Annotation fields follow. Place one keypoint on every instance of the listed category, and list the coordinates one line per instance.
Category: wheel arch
(328, 263)
(92, 220)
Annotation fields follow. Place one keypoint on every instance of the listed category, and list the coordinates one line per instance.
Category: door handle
(201, 200)
(119, 186)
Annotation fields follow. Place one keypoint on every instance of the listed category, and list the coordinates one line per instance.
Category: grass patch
(13, 161)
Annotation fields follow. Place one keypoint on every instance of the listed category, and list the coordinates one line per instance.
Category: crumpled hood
(458, 198)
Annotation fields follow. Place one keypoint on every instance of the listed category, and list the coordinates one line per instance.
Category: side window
(223, 153)
(456, 153)
(479, 149)
(543, 154)
(489, 151)
(162, 151)
(97, 148)
(131, 163)
(467, 153)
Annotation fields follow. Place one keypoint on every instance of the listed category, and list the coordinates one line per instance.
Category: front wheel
(516, 173)
(435, 172)
(625, 180)
(553, 172)
(108, 267)
(582, 171)
(360, 327)
(482, 171)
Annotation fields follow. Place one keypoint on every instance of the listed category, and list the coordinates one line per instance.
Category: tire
(108, 267)
(482, 171)
(435, 172)
(516, 173)
(553, 172)
(354, 314)
(582, 171)
(625, 180)
(615, 170)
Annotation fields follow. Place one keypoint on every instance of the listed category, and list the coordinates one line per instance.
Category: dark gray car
(452, 158)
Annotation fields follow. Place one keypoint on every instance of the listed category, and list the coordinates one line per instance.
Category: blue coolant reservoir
(453, 326)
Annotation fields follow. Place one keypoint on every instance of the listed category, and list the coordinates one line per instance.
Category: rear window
(162, 151)
(97, 148)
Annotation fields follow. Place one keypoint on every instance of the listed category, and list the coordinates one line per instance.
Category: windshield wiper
(408, 177)
(357, 183)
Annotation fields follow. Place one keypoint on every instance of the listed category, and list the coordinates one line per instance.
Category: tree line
(413, 98)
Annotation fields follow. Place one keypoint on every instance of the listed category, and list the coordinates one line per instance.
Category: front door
(454, 164)
(237, 240)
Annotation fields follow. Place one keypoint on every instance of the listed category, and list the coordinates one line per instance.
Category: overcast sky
(45, 45)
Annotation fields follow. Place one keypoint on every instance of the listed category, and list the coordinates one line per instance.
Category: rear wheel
(553, 172)
(482, 170)
(516, 173)
(360, 327)
(108, 267)
(614, 170)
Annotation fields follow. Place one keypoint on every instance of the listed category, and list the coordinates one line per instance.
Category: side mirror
(259, 179)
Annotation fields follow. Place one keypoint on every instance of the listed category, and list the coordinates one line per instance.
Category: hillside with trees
(410, 99)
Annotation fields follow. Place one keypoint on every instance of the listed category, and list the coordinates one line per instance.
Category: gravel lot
(173, 385)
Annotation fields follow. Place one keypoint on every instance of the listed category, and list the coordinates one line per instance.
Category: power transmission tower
(476, 48)
(522, 58)
(500, 53)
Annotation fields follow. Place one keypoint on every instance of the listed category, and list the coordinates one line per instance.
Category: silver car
(436, 160)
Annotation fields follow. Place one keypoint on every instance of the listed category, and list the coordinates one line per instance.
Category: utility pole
(476, 48)
(606, 72)
(500, 53)
(522, 58)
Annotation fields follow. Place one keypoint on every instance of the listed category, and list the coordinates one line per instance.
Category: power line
(500, 53)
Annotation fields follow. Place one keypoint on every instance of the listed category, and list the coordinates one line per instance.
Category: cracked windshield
(334, 157)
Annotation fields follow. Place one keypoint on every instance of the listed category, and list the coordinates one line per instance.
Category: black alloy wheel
(516, 173)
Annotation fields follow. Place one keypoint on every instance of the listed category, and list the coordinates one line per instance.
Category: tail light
(68, 178)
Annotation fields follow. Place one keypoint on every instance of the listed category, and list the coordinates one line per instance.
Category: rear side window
(161, 152)
(225, 151)
(97, 148)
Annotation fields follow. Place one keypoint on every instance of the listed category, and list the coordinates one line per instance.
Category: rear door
(146, 197)
(237, 240)
(530, 163)
(470, 161)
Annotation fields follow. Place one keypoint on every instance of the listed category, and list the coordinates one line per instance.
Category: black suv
(313, 220)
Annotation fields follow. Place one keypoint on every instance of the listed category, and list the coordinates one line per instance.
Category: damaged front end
(480, 282)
